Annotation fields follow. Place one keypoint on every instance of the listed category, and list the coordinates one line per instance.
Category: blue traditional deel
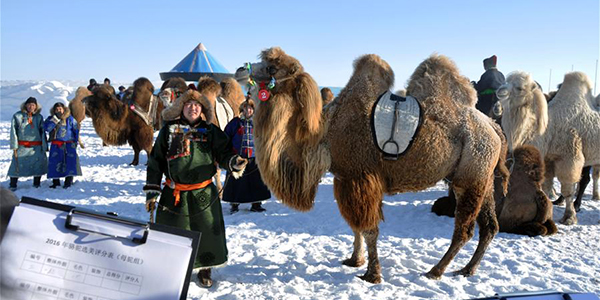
(64, 135)
(28, 138)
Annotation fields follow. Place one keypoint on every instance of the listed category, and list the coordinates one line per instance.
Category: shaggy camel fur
(117, 124)
(566, 131)
(585, 172)
(525, 209)
(232, 92)
(297, 142)
(77, 107)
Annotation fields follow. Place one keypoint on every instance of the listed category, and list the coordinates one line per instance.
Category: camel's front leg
(358, 258)
(373, 274)
(595, 177)
(570, 216)
(217, 179)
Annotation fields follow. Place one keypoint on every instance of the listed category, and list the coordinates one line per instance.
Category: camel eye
(271, 70)
(519, 89)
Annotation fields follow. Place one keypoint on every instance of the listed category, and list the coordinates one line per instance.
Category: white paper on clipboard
(42, 259)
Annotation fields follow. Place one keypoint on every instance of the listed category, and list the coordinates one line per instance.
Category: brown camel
(297, 141)
(227, 101)
(525, 209)
(116, 122)
(77, 107)
(232, 92)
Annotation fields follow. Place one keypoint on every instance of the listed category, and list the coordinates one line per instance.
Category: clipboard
(56, 251)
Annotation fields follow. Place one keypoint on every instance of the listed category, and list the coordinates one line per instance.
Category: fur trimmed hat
(490, 62)
(31, 100)
(174, 111)
(243, 105)
(66, 113)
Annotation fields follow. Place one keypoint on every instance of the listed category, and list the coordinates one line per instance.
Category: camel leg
(595, 177)
(568, 173)
(360, 201)
(548, 185)
(488, 227)
(218, 183)
(373, 274)
(358, 258)
(467, 207)
(581, 186)
(136, 153)
(79, 138)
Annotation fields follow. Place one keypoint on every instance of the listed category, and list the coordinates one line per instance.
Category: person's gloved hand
(151, 198)
(239, 164)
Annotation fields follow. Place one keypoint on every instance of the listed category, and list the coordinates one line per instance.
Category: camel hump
(375, 68)
(439, 75)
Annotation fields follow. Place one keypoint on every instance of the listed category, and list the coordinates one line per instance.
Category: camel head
(171, 89)
(287, 127)
(292, 94)
(103, 100)
(525, 111)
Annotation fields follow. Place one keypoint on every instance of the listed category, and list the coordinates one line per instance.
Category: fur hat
(174, 111)
(31, 100)
(66, 112)
(246, 103)
(490, 62)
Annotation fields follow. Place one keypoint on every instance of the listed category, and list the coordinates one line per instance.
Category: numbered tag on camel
(395, 121)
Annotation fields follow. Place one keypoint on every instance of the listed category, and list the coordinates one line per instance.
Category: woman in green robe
(186, 152)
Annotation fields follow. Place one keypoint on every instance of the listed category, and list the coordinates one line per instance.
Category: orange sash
(30, 144)
(185, 187)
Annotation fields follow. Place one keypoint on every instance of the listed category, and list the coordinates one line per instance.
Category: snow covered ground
(285, 254)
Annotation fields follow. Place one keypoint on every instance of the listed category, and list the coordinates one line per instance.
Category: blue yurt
(196, 64)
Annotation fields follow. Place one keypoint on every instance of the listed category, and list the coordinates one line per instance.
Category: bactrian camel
(297, 141)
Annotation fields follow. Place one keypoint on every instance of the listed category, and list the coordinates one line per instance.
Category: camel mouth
(502, 93)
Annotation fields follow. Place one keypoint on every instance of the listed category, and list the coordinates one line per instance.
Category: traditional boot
(13, 183)
(36, 181)
(234, 208)
(204, 278)
(257, 207)
(68, 182)
(55, 183)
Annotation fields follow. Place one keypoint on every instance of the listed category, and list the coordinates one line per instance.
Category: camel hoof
(372, 278)
(464, 272)
(596, 197)
(353, 262)
(566, 220)
(433, 276)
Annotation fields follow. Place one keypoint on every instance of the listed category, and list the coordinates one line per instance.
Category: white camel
(566, 131)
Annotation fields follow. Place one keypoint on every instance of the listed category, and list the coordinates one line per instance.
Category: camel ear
(308, 97)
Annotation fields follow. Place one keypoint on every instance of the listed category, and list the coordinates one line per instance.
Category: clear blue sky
(123, 40)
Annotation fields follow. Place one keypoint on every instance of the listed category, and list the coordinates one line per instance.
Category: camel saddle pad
(223, 111)
(395, 121)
